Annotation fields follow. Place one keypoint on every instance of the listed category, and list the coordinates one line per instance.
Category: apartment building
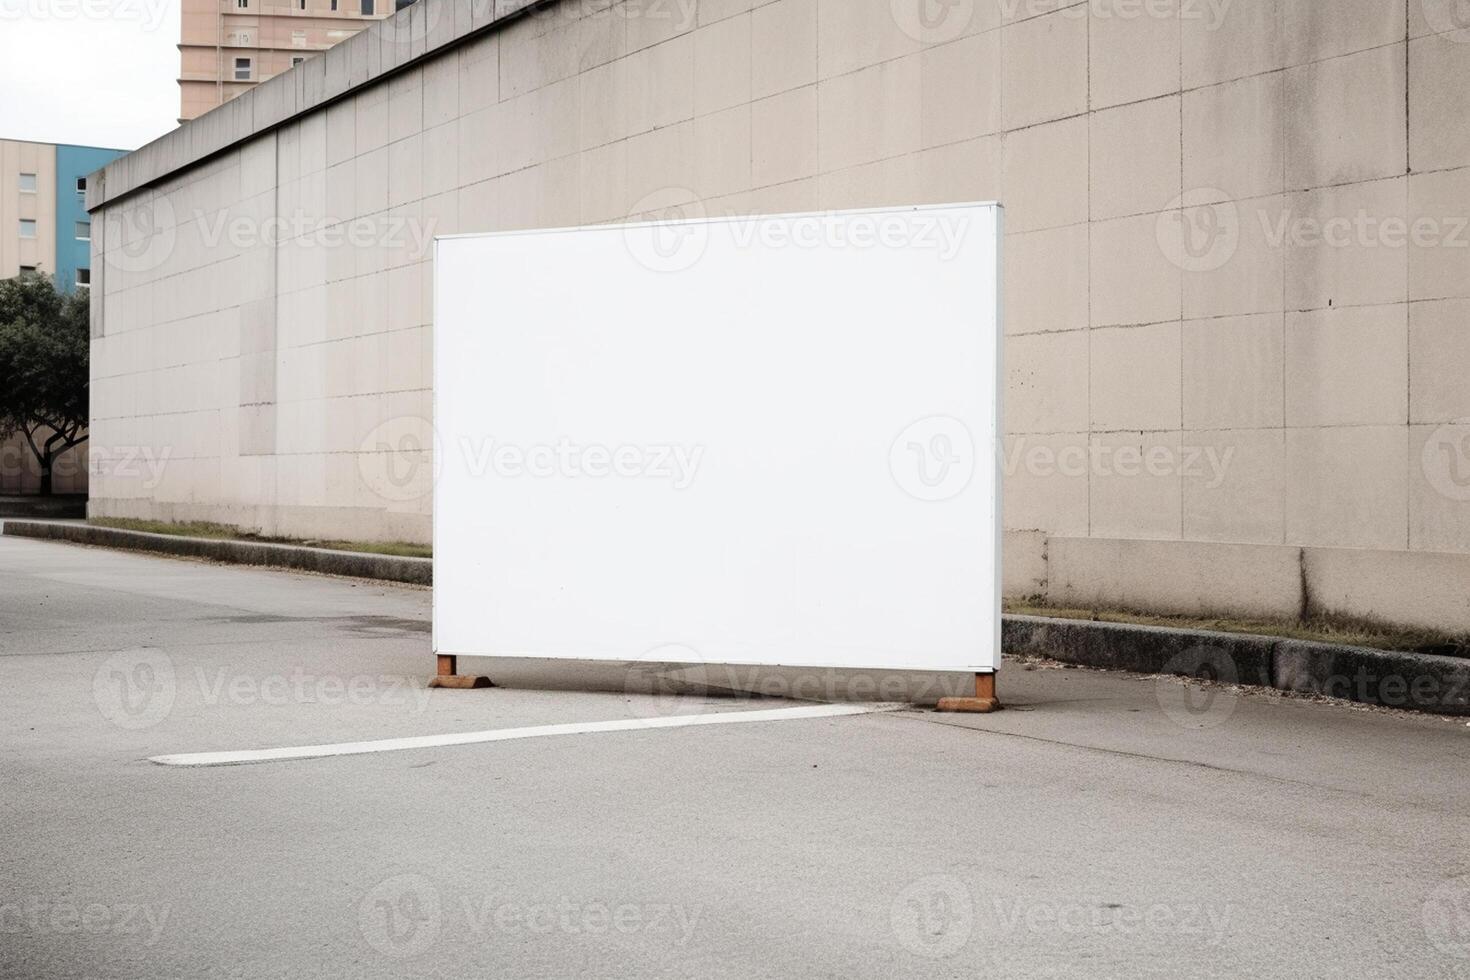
(45, 230)
(229, 46)
(44, 226)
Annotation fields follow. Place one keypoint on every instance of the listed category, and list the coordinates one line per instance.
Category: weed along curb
(1390, 678)
(393, 568)
(1396, 679)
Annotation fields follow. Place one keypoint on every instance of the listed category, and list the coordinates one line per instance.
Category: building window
(242, 4)
(242, 69)
(84, 231)
(84, 277)
(28, 183)
(27, 270)
(300, 4)
(81, 185)
(27, 228)
(367, 8)
(296, 60)
(334, 6)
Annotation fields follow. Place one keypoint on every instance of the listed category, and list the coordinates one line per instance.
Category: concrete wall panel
(1232, 312)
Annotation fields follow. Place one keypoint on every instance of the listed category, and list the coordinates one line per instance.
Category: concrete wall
(1237, 270)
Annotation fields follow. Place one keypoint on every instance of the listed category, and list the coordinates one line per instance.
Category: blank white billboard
(753, 440)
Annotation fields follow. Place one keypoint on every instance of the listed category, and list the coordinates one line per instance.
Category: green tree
(45, 338)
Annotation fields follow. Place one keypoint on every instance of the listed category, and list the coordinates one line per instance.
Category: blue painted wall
(71, 208)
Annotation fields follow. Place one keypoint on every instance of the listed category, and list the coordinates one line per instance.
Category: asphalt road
(1101, 826)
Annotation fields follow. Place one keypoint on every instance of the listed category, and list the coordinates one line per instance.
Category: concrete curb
(392, 568)
(1395, 679)
(1389, 678)
(57, 507)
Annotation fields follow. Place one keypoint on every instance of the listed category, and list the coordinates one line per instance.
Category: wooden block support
(983, 702)
(448, 675)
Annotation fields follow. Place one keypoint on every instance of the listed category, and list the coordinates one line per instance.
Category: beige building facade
(1237, 282)
(27, 208)
(227, 47)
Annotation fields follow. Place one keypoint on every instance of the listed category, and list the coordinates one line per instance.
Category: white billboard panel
(737, 441)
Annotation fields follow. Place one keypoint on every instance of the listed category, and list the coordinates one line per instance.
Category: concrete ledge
(55, 507)
(1190, 578)
(1415, 588)
(1232, 658)
(1418, 682)
(1395, 679)
(417, 571)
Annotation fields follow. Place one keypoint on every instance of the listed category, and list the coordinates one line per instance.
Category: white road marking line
(247, 756)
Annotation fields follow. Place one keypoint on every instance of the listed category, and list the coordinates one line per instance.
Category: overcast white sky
(91, 72)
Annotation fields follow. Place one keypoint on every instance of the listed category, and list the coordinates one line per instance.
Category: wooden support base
(448, 676)
(983, 702)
